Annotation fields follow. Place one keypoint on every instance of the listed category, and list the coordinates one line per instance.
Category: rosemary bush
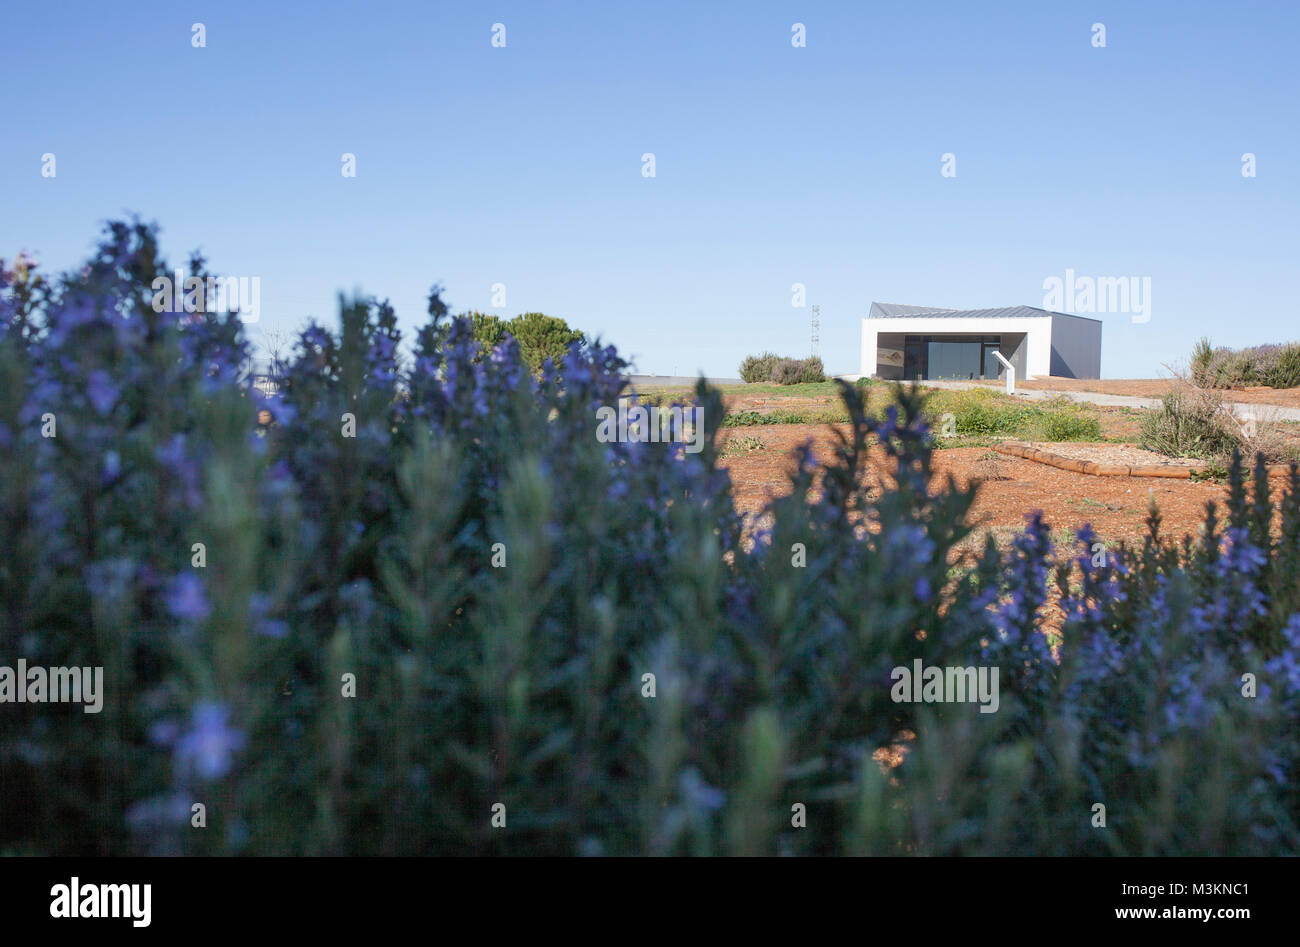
(427, 591)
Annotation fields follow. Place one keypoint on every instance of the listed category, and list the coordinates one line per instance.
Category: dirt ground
(1155, 388)
(1115, 506)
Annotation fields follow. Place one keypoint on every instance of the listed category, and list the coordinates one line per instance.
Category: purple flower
(1287, 664)
(315, 337)
(101, 392)
(910, 546)
(165, 732)
(700, 794)
(186, 599)
(259, 605)
(209, 744)
(172, 453)
(158, 811)
(922, 589)
(74, 314)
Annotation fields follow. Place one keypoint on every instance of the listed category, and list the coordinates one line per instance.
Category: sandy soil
(1115, 506)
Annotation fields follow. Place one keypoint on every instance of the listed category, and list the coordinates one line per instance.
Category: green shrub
(1187, 424)
(796, 371)
(1239, 370)
(743, 444)
(774, 369)
(1284, 372)
(980, 419)
(1064, 425)
(1276, 366)
(1202, 364)
(786, 371)
(758, 368)
(812, 371)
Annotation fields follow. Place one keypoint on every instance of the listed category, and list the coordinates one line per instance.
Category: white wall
(869, 329)
(1038, 331)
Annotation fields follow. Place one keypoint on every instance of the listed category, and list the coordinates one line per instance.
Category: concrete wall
(1032, 355)
(1076, 346)
(870, 328)
(1015, 349)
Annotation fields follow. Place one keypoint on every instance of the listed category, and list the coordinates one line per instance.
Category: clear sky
(774, 165)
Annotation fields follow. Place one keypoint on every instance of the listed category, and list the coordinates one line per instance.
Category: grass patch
(807, 389)
(1064, 425)
(959, 418)
(756, 418)
(983, 414)
(742, 444)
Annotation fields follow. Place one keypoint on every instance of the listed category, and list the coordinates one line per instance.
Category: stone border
(1172, 471)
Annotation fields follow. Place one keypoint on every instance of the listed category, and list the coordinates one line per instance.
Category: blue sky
(774, 165)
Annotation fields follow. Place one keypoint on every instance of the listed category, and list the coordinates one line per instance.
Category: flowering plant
(426, 589)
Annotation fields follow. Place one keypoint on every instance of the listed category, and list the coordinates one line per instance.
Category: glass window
(951, 356)
(954, 358)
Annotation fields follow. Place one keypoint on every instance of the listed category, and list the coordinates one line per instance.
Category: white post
(1011, 373)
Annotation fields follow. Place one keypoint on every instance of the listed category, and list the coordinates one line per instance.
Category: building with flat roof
(919, 342)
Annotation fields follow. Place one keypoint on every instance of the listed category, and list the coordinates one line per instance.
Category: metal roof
(899, 311)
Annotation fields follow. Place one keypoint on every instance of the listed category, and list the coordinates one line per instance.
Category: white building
(921, 342)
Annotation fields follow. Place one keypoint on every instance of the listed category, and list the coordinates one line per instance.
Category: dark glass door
(992, 367)
(913, 358)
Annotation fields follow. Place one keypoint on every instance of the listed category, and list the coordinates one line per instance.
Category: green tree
(541, 337)
(489, 331)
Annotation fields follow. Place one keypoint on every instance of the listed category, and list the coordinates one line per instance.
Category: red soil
(1115, 506)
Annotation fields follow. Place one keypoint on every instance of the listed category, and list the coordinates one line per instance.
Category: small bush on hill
(758, 368)
(1190, 422)
(787, 371)
(1064, 425)
(1274, 366)
(1284, 370)
(1202, 366)
(813, 371)
(771, 368)
(791, 371)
